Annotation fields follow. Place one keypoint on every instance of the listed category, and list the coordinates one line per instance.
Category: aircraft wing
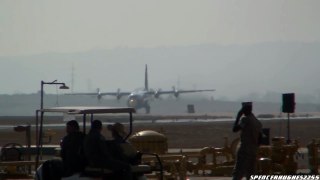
(115, 93)
(185, 91)
(191, 91)
(102, 93)
(118, 94)
(176, 92)
(81, 93)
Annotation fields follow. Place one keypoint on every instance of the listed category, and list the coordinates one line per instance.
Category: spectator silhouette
(250, 128)
(122, 149)
(72, 149)
(98, 154)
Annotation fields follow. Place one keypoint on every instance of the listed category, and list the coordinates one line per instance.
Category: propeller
(175, 92)
(118, 94)
(99, 96)
(158, 93)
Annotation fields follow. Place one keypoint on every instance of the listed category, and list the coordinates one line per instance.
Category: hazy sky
(67, 26)
(38, 26)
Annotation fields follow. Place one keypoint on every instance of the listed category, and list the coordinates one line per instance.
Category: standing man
(250, 128)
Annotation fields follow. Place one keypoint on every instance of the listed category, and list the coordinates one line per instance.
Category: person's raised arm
(236, 126)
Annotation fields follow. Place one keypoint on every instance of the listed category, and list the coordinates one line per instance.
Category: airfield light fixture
(63, 86)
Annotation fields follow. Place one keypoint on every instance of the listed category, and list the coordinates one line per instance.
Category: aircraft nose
(132, 103)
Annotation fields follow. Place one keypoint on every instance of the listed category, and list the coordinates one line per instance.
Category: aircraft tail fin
(146, 79)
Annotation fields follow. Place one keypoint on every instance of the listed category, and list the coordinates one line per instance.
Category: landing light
(132, 103)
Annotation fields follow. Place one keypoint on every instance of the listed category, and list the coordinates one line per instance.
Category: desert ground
(191, 134)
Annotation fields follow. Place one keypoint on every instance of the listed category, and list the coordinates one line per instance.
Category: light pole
(39, 134)
(63, 86)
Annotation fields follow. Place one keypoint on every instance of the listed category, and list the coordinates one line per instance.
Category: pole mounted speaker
(288, 103)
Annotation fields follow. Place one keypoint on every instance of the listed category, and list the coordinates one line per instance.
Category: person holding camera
(250, 128)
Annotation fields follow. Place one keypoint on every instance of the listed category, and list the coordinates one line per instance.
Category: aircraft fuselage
(139, 100)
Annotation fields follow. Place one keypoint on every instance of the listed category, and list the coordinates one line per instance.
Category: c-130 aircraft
(140, 98)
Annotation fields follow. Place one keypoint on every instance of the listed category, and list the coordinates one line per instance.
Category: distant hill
(259, 72)
(26, 105)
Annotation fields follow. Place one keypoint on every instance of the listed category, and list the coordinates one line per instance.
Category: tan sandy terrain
(180, 134)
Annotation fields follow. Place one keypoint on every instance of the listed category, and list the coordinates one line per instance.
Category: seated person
(98, 154)
(71, 154)
(120, 148)
(72, 149)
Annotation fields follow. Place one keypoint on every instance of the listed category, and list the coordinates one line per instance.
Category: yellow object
(264, 166)
(149, 142)
(314, 149)
(277, 158)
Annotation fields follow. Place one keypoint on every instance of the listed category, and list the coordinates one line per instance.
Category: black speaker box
(288, 103)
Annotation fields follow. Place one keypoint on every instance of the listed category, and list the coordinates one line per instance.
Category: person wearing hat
(98, 153)
(121, 148)
(250, 128)
(117, 131)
